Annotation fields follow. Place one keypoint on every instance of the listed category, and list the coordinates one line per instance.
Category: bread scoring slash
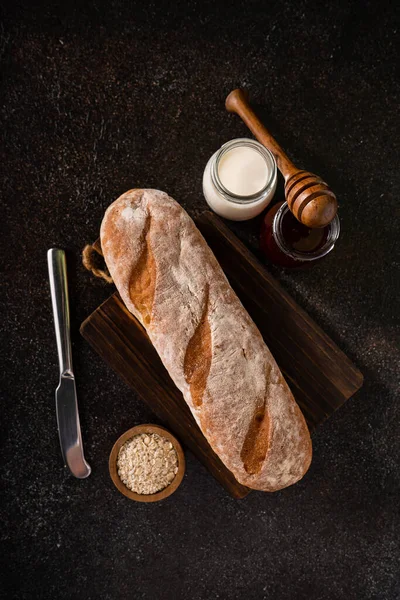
(171, 282)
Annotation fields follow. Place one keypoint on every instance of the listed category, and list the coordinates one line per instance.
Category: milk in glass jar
(239, 180)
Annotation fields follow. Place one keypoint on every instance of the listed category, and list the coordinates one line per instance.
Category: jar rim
(268, 158)
(334, 231)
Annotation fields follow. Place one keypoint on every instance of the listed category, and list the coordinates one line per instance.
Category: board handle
(88, 261)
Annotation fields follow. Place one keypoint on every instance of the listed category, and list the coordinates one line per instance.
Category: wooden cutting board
(319, 374)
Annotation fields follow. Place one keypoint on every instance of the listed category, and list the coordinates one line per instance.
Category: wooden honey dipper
(308, 197)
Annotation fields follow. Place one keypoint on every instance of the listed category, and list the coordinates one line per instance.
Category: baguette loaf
(171, 282)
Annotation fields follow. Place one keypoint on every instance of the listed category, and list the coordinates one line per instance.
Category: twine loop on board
(89, 263)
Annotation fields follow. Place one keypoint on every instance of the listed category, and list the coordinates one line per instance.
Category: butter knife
(69, 428)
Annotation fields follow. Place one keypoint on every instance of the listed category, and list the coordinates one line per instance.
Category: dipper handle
(308, 196)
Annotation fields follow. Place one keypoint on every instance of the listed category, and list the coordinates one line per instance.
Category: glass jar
(235, 162)
(288, 243)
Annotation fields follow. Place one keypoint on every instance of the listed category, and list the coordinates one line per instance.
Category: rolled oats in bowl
(147, 463)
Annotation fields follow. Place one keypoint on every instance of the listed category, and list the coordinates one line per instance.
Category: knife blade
(69, 429)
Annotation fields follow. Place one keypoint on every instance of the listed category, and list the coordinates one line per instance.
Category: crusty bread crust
(171, 282)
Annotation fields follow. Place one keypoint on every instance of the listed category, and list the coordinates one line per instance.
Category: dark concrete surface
(99, 97)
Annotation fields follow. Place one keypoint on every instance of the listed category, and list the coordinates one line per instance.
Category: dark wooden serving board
(319, 374)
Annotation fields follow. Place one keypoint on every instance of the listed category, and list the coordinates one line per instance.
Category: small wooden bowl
(112, 463)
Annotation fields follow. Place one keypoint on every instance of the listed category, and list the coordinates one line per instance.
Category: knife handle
(59, 299)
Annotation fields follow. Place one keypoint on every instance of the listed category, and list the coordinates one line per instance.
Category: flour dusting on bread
(171, 282)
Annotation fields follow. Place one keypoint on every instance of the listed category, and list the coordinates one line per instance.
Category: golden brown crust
(256, 442)
(198, 358)
(143, 279)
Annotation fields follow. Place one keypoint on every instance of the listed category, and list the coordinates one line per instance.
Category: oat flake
(147, 463)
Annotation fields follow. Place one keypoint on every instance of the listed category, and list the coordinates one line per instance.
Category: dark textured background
(98, 98)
